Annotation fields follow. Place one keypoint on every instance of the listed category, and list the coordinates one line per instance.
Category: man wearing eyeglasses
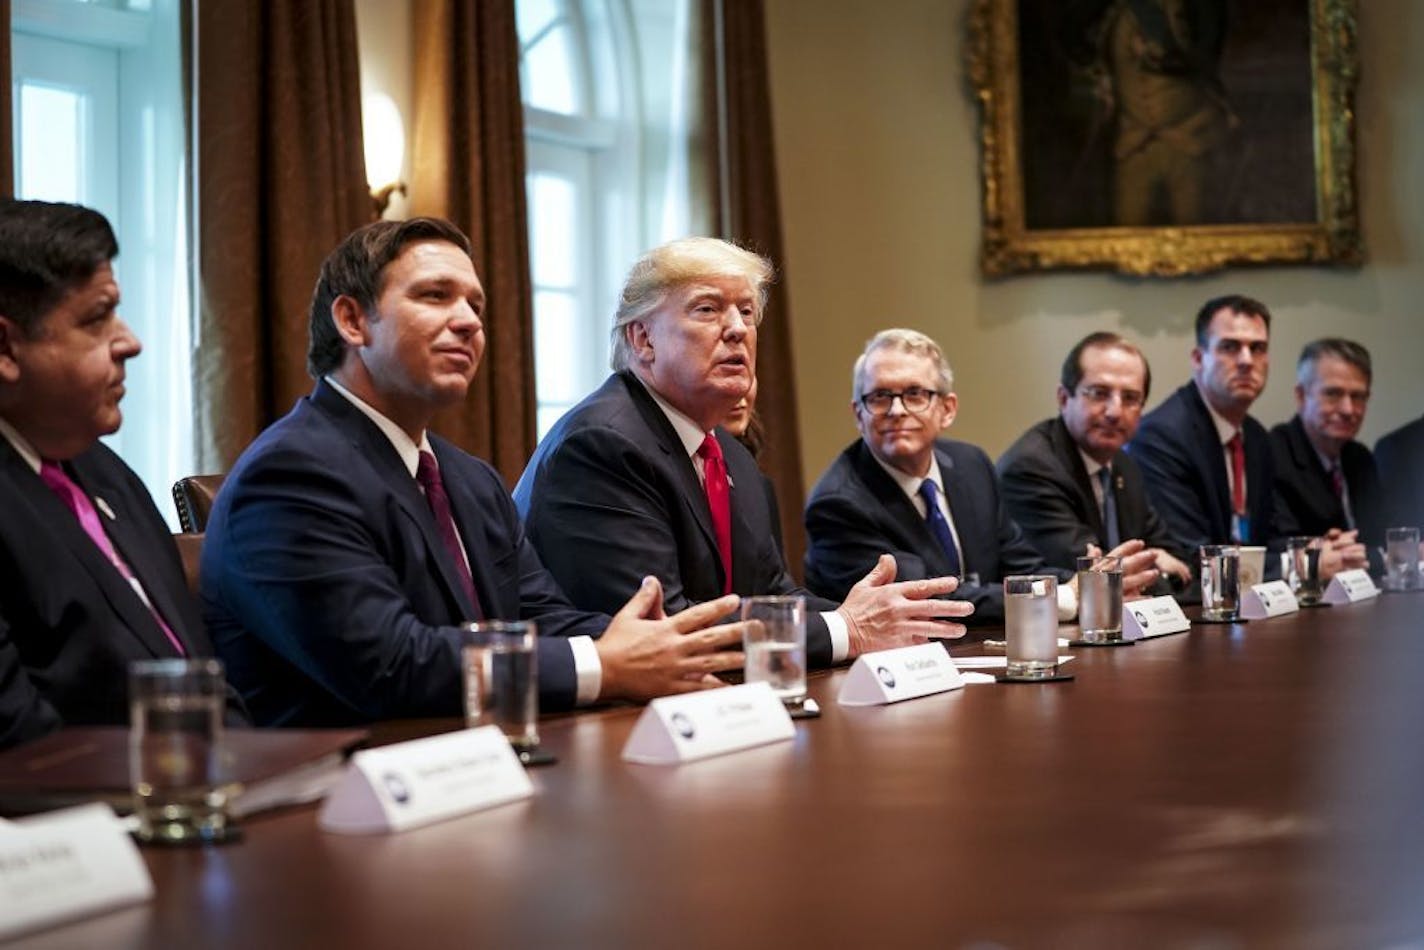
(1326, 482)
(640, 478)
(1068, 483)
(934, 503)
(1206, 460)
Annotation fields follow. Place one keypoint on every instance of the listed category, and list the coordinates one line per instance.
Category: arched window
(610, 88)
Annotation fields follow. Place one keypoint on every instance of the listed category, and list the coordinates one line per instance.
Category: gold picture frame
(1264, 176)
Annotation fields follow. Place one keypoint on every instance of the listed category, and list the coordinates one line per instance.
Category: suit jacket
(69, 622)
(1305, 498)
(328, 591)
(1400, 457)
(856, 512)
(611, 496)
(1182, 461)
(1049, 495)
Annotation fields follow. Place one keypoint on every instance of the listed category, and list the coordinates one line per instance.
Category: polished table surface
(1241, 785)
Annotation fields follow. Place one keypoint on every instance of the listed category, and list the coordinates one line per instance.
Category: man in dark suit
(1207, 462)
(934, 503)
(89, 577)
(1067, 482)
(1400, 458)
(1326, 482)
(348, 544)
(639, 479)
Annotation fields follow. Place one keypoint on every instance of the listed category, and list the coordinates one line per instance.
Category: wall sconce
(385, 149)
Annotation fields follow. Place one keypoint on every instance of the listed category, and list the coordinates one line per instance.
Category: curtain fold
(468, 166)
(748, 212)
(281, 179)
(7, 121)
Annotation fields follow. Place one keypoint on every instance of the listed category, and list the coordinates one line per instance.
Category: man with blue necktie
(90, 579)
(934, 503)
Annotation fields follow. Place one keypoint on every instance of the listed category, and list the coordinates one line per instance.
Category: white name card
(1270, 599)
(888, 676)
(1153, 617)
(66, 865)
(1348, 587)
(694, 726)
(414, 783)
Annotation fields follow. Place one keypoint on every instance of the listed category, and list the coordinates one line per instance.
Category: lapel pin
(103, 506)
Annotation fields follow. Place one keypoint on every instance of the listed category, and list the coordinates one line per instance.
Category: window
(608, 127)
(98, 115)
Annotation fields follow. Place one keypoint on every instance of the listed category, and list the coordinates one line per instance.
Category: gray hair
(905, 341)
(1347, 350)
(679, 262)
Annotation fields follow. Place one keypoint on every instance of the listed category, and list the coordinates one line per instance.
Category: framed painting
(1165, 137)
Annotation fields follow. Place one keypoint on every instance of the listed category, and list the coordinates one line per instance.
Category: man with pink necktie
(89, 575)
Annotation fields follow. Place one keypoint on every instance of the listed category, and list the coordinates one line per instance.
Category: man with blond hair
(639, 478)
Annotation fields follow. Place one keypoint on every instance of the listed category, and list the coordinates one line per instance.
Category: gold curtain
(748, 212)
(468, 166)
(7, 121)
(281, 179)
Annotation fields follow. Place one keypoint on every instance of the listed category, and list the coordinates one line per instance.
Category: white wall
(877, 150)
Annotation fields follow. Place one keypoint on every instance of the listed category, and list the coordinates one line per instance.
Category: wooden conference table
(1236, 786)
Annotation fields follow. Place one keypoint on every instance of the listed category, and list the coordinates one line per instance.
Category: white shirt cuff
(840, 636)
(588, 669)
(1067, 603)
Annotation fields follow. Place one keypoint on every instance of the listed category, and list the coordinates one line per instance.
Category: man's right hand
(646, 654)
(881, 614)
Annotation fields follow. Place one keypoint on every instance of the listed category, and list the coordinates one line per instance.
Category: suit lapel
(1069, 456)
(1212, 458)
(372, 445)
(65, 529)
(677, 461)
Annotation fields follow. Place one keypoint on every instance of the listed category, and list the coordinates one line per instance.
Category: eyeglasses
(1334, 395)
(1101, 396)
(915, 399)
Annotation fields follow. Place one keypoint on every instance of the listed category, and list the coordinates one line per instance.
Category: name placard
(1270, 599)
(888, 676)
(415, 783)
(698, 725)
(1348, 587)
(66, 865)
(1153, 617)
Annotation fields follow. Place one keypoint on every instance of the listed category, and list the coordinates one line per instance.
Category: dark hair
(1072, 373)
(1247, 306)
(356, 269)
(1347, 350)
(47, 250)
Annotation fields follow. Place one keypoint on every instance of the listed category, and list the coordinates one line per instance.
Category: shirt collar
(910, 484)
(689, 433)
(1092, 464)
(1224, 429)
(21, 445)
(408, 450)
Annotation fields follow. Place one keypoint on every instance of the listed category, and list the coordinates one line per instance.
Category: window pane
(548, 69)
(554, 224)
(533, 16)
(556, 350)
(51, 162)
(548, 415)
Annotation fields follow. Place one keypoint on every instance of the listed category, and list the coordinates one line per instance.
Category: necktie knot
(427, 473)
(929, 492)
(711, 450)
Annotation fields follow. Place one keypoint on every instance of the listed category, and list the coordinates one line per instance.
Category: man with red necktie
(89, 576)
(640, 477)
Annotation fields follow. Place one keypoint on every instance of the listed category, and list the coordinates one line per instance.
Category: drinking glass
(775, 645)
(1031, 625)
(1100, 598)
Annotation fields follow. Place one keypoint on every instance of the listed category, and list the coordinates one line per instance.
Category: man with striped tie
(89, 576)
(1068, 483)
(934, 503)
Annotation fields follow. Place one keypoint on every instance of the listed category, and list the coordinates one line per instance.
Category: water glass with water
(501, 679)
(774, 641)
(1100, 598)
(175, 751)
(1031, 625)
(1401, 559)
(1302, 561)
(1220, 586)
